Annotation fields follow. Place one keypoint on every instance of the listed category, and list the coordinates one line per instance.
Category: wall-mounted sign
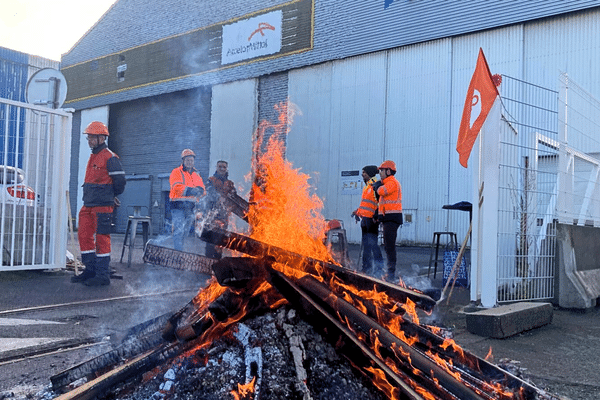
(253, 37)
(351, 182)
(246, 39)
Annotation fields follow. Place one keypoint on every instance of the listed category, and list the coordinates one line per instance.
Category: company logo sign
(251, 38)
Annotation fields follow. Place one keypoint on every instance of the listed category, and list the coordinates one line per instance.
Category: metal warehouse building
(371, 80)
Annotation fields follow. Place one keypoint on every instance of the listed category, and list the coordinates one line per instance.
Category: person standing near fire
(104, 180)
(218, 187)
(389, 193)
(187, 188)
(369, 226)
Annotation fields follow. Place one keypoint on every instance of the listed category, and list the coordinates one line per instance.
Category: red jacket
(104, 178)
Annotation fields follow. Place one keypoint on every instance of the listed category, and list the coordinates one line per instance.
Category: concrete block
(508, 320)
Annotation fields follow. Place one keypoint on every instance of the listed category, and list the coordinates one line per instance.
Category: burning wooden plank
(258, 249)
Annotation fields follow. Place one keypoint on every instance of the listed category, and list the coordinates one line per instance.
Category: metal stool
(130, 232)
(435, 244)
(336, 240)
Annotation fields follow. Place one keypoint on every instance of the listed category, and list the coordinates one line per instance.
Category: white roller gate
(35, 148)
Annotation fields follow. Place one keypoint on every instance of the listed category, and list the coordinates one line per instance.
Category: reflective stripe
(390, 196)
(180, 180)
(368, 202)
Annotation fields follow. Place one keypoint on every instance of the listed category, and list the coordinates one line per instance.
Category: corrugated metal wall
(149, 135)
(14, 70)
(405, 104)
(417, 134)
(272, 90)
(422, 90)
(340, 30)
(340, 128)
(233, 121)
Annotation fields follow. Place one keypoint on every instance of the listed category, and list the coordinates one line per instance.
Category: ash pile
(283, 354)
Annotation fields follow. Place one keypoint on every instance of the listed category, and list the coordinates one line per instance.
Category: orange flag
(480, 98)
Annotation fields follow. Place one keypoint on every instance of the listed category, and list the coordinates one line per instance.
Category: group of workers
(105, 180)
(381, 204)
(188, 195)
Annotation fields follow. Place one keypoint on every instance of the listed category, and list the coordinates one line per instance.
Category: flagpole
(481, 98)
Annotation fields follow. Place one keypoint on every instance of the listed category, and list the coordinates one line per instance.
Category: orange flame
(381, 382)
(283, 211)
(244, 391)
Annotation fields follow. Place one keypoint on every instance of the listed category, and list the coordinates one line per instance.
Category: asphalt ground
(48, 324)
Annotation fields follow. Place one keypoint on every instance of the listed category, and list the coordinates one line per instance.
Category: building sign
(250, 38)
(247, 39)
(351, 182)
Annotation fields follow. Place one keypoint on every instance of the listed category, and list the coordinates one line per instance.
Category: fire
(244, 391)
(208, 294)
(382, 383)
(286, 213)
(283, 211)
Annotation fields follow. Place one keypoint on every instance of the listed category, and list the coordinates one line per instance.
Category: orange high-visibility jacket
(390, 196)
(180, 180)
(368, 202)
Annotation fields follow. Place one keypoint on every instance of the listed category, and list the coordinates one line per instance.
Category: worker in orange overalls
(389, 192)
(104, 180)
(187, 188)
(369, 226)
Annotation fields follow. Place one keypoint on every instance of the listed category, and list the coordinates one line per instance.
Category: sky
(47, 28)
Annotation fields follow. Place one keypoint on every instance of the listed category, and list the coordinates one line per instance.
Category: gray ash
(213, 373)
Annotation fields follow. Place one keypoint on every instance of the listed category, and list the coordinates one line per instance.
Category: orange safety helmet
(96, 128)
(187, 152)
(388, 164)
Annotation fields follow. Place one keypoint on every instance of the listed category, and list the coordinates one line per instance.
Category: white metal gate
(35, 148)
(527, 191)
(549, 173)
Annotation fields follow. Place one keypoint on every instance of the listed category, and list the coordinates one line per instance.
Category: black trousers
(390, 233)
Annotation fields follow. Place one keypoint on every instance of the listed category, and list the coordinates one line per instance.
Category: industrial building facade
(371, 80)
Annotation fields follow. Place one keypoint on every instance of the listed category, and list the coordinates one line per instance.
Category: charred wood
(138, 339)
(134, 366)
(407, 357)
(347, 344)
(255, 248)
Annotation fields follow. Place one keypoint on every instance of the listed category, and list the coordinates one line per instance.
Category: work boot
(97, 281)
(102, 277)
(89, 260)
(86, 274)
(391, 276)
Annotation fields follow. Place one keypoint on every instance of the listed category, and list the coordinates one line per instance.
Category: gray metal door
(137, 194)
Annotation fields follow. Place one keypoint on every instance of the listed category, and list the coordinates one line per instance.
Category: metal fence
(35, 148)
(527, 191)
(579, 162)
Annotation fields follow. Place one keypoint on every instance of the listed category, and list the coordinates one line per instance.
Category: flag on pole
(480, 99)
